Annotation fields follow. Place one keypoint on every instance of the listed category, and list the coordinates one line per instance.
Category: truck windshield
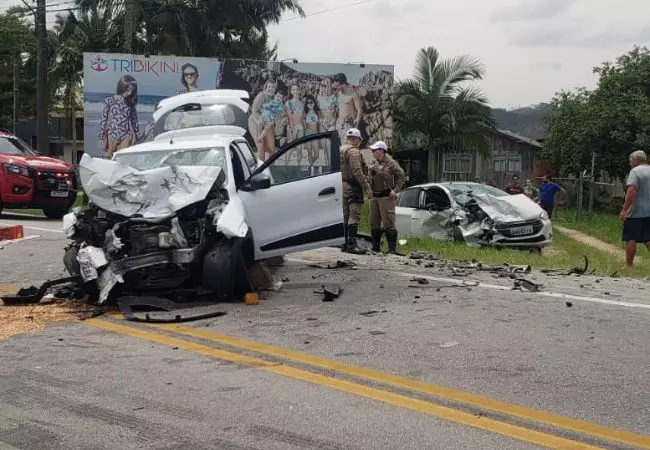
(213, 156)
(11, 145)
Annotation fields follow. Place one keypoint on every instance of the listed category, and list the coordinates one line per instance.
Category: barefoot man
(349, 104)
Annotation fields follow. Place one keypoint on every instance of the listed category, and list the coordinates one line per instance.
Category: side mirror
(259, 181)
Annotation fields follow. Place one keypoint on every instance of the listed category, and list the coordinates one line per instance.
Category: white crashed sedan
(473, 213)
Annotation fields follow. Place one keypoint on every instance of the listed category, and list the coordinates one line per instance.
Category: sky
(531, 49)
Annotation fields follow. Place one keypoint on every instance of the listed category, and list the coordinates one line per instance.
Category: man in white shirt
(635, 214)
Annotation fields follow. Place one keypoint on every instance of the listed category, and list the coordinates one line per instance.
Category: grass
(565, 253)
(604, 226)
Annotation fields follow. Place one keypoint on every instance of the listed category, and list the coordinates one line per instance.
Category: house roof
(518, 138)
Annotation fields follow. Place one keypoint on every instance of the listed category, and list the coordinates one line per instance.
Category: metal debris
(330, 293)
(33, 295)
(522, 284)
(164, 310)
(337, 265)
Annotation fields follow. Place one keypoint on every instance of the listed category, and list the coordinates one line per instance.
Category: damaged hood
(509, 208)
(153, 193)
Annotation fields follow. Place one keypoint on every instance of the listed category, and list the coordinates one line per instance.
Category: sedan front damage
(169, 232)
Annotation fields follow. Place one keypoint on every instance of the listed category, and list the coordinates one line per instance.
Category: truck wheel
(55, 213)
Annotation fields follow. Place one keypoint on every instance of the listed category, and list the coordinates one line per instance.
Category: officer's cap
(354, 133)
(379, 145)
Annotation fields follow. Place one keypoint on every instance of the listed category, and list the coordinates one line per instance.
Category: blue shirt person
(547, 191)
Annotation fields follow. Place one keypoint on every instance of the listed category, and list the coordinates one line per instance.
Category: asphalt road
(387, 365)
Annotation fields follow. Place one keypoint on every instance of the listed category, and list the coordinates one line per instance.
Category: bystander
(515, 186)
(547, 191)
(635, 214)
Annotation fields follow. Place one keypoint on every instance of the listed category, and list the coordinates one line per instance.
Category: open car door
(300, 207)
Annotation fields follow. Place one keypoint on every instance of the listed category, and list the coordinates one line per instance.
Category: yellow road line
(421, 406)
(566, 423)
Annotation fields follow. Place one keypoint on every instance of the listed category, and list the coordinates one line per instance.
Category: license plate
(61, 194)
(519, 231)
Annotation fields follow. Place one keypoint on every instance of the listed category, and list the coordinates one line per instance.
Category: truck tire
(55, 213)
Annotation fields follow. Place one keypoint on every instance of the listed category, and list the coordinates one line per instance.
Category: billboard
(291, 100)
(288, 100)
(121, 92)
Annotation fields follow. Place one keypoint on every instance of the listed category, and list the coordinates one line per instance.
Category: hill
(527, 121)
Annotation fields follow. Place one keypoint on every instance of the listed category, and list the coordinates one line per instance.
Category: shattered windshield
(14, 146)
(213, 156)
(463, 192)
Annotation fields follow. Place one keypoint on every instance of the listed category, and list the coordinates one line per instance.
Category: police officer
(386, 179)
(354, 173)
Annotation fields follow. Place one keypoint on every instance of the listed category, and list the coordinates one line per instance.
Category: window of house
(457, 162)
(507, 162)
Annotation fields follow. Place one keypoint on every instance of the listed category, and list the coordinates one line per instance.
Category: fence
(584, 195)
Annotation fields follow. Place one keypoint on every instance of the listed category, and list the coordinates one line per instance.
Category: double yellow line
(563, 424)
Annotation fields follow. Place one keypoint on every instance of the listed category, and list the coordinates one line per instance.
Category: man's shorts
(637, 229)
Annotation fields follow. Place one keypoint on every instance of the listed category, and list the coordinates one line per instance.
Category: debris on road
(33, 295)
(337, 265)
(330, 293)
(522, 284)
(16, 320)
(163, 310)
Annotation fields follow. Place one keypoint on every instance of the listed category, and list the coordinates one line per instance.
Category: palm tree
(439, 108)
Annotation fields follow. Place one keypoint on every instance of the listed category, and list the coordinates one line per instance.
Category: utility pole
(128, 26)
(16, 91)
(42, 138)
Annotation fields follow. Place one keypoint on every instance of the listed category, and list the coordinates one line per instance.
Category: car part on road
(33, 295)
(575, 270)
(337, 265)
(524, 285)
(330, 293)
(171, 311)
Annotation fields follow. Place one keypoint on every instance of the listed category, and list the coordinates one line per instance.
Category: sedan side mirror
(259, 181)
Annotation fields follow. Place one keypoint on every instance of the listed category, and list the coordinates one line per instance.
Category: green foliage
(440, 106)
(17, 42)
(611, 121)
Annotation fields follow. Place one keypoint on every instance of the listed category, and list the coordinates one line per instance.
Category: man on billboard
(349, 105)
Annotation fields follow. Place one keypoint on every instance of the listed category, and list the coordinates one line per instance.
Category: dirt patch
(25, 319)
(591, 241)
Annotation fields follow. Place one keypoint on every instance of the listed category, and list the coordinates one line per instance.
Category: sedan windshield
(463, 192)
(213, 156)
(11, 145)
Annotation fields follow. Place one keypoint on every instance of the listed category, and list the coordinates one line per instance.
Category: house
(65, 142)
(510, 154)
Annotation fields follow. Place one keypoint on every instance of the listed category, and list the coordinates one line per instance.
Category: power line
(323, 11)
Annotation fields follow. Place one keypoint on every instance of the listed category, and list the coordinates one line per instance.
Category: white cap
(354, 132)
(379, 145)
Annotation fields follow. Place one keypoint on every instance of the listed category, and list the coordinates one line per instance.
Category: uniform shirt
(386, 175)
(547, 192)
(353, 166)
(640, 177)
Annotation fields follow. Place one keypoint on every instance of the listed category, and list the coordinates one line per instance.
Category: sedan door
(406, 211)
(299, 208)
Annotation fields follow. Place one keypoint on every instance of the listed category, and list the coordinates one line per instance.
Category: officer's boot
(344, 247)
(353, 247)
(376, 239)
(391, 237)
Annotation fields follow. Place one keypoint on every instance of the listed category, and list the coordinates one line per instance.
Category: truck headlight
(16, 169)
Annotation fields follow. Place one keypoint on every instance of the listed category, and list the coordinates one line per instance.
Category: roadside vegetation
(565, 253)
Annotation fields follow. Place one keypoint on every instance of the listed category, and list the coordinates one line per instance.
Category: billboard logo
(98, 64)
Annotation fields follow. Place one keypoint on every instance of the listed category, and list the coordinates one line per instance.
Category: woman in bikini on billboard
(119, 127)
